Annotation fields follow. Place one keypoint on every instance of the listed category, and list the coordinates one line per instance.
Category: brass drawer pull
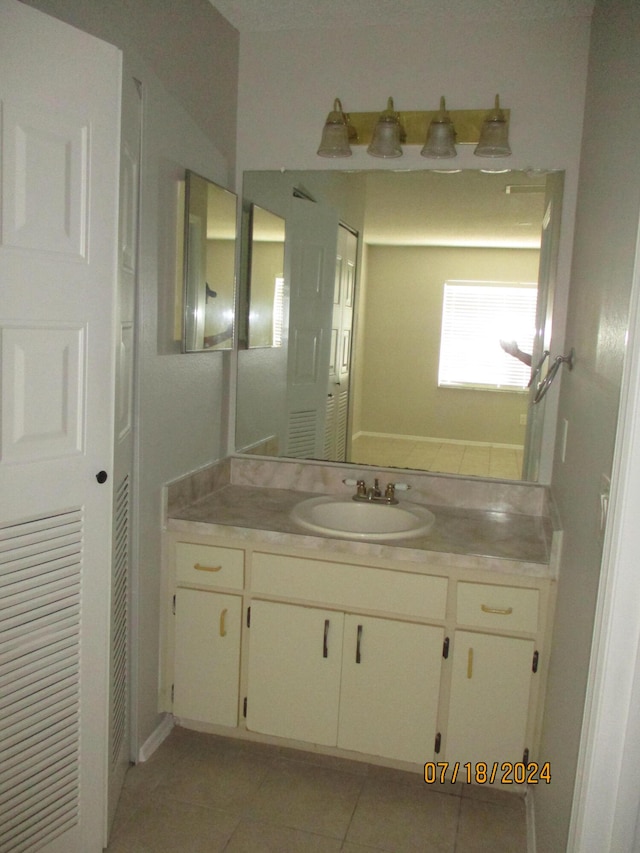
(470, 663)
(501, 611)
(200, 568)
(223, 629)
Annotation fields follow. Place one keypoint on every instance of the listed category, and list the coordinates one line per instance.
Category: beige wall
(399, 372)
(603, 266)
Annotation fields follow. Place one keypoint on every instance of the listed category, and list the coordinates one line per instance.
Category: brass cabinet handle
(501, 611)
(470, 663)
(358, 644)
(325, 640)
(200, 568)
(223, 629)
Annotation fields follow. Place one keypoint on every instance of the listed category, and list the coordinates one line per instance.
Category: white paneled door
(312, 234)
(60, 101)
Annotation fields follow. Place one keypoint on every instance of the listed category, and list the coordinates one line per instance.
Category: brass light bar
(467, 123)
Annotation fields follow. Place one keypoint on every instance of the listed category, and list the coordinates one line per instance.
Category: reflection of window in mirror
(278, 311)
(477, 318)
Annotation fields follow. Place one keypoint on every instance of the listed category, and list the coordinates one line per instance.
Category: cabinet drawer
(349, 586)
(488, 606)
(208, 565)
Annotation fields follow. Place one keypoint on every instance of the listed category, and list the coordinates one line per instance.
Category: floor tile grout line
(353, 811)
(458, 820)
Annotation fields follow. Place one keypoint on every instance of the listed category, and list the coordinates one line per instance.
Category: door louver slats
(119, 621)
(40, 609)
(302, 434)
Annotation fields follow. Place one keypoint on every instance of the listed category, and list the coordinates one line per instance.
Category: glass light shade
(335, 134)
(386, 135)
(441, 136)
(494, 136)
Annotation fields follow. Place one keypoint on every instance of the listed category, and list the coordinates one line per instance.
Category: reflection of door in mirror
(313, 249)
(337, 414)
(209, 268)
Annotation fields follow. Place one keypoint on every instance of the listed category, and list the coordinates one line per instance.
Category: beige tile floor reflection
(201, 793)
(469, 460)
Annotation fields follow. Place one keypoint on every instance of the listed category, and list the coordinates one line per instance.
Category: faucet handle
(361, 488)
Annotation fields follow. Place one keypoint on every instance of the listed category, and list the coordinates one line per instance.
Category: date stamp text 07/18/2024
(480, 773)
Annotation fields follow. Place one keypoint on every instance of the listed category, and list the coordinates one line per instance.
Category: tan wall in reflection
(403, 310)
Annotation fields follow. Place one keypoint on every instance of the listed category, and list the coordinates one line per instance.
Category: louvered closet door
(119, 747)
(60, 101)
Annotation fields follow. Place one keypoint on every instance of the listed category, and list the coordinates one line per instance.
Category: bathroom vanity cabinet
(207, 617)
(434, 659)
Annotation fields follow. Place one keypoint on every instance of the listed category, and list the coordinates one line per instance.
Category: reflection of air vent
(301, 438)
(298, 192)
(512, 189)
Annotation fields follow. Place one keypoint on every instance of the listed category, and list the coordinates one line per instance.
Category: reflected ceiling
(468, 209)
(261, 16)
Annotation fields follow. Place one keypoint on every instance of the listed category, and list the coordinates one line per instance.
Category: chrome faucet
(374, 493)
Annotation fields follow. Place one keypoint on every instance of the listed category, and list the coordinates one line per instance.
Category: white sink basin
(348, 519)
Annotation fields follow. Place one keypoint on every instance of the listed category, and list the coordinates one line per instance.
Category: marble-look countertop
(484, 539)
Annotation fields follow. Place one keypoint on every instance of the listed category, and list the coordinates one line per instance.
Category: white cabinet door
(491, 683)
(390, 688)
(207, 656)
(295, 658)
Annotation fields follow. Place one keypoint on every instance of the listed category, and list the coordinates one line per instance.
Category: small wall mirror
(265, 279)
(209, 265)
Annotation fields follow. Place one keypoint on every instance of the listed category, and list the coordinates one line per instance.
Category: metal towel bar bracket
(534, 373)
(559, 360)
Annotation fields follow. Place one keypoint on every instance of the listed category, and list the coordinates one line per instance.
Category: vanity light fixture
(387, 134)
(494, 136)
(337, 134)
(441, 136)
(437, 131)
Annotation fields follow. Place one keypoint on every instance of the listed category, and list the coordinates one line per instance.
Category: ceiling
(265, 15)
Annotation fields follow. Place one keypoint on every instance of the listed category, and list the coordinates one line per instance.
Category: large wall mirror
(209, 265)
(395, 285)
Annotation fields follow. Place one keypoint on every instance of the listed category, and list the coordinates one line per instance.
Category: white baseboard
(433, 440)
(157, 736)
(530, 816)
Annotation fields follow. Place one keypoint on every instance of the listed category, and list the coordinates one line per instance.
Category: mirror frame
(200, 194)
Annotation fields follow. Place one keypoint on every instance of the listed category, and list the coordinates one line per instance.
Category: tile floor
(201, 793)
(469, 460)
